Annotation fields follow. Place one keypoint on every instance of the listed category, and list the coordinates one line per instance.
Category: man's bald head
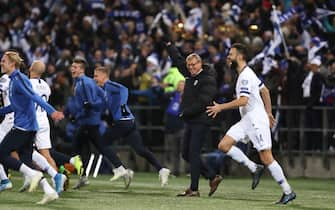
(37, 68)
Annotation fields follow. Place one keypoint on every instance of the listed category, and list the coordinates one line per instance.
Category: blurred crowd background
(290, 42)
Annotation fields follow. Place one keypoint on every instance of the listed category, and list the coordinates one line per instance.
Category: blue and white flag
(278, 33)
(193, 21)
(271, 48)
(321, 13)
(317, 45)
(290, 13)
(97, 4)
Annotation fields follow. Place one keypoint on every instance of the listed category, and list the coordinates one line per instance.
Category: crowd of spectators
(128, 36)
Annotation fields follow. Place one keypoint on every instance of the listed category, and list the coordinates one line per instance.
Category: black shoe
(256, 176)
(287, 198)
(189, 193)
(214, 183)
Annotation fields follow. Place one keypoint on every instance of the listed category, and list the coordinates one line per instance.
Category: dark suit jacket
(199, 91)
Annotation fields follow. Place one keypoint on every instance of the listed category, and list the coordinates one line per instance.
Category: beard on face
(233, 65)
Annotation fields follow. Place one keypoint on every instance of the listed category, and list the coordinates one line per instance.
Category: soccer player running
(38, 159)
(43, 141)
(20, 137)
(5, 126)
(122, 125)
(254, 102)
(88, 98)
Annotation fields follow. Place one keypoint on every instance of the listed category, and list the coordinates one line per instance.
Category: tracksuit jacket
(22, 102)
(116, 97)
(87, 91)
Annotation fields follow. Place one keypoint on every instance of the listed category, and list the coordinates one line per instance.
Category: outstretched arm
(177, 58)
(216, 108)
(6, 110)
(28, 91)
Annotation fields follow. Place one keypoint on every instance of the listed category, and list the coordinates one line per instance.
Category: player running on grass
(254, 102)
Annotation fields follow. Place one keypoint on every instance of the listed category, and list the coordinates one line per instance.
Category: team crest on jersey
(195, 82)
(244, 82)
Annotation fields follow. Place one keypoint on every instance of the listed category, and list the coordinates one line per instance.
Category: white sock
(278, 174)
(43, 164)
(3, 174)
(26, 170)
(121, 169)
(240, 157)
(46, 186)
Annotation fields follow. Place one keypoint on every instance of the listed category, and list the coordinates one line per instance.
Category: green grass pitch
(146, 193)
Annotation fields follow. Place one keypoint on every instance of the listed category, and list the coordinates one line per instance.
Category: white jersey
(42, 140)
(249, 85)
(8, 122)
(4, 88)
(254, 124)
(42, 89)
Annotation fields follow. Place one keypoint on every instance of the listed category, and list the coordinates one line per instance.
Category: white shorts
(5, 127)
(256, 130)
(42, 139)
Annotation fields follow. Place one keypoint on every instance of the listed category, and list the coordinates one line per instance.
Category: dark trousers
(60, 158)
(126, 129)
(81, 143)
(21, 142)
(194, 138)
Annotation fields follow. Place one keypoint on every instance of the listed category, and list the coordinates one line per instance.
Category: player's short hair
(103, 69)
(80, 60)
(39, 67)
(241, 49)
(15, 57)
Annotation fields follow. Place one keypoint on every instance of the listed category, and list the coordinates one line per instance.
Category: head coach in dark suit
(200, 90)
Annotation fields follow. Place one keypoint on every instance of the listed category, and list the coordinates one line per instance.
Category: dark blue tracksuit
(123, 123)
(20, 138)
(88, 118)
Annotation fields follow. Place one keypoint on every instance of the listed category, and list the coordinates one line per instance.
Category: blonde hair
(193, 56)
(14, 57)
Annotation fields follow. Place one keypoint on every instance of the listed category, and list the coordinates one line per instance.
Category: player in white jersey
(42, 138)
(41, 88)
(5, 127)
(253, 100)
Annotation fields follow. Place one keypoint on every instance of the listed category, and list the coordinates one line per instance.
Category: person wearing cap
(312, 88)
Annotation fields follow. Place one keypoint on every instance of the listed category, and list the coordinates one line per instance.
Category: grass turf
(145, 193)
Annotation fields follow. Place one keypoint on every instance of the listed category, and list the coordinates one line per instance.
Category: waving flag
(321, 13)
